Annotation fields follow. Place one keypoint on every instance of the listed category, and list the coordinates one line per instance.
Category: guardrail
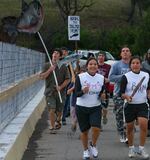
(19, 83)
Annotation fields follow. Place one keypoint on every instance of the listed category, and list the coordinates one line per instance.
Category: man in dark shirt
(51, 90)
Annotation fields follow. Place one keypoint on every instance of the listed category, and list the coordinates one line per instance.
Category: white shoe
(86, 155)
(143, 153)
(93, 151)
(132, 152)
(123, 139)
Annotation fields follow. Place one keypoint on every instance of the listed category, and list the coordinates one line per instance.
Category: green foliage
(88, 39)
(145, 4)
(59, 39)
(143, 36)
(118, 37)
(98, 27)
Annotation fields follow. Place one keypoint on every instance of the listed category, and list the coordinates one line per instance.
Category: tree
(133, 5)
(71, 7)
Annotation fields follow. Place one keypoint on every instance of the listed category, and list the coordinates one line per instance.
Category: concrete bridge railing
(21, 98)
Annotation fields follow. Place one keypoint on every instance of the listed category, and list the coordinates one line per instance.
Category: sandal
(58, 125)
(52, 130)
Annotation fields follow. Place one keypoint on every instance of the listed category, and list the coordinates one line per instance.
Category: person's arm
(113, 74)
(123, 85)
(78, 90)
(66, 76)
(107, 73)
(71, 88)
(148, 90)
(63, 85)
(102, 94)
(69, 91)
(46, 73)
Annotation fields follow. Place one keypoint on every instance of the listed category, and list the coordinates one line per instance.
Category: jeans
(66, 109)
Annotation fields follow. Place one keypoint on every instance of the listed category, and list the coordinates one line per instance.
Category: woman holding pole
(135, 88)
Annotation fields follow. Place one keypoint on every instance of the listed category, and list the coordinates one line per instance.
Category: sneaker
(86, 155)
(93, 151)
(105, 120)
(123, 139)
(142, 152)
(132, 152)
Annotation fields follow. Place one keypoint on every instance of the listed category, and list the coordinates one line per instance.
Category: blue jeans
(66, 109)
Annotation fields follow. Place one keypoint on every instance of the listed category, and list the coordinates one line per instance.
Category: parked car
(109, 59)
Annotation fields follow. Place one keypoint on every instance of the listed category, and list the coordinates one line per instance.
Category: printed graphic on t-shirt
(140, 89)
(124, 70)
(93, 87)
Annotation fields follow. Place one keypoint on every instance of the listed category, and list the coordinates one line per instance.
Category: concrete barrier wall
(19, 83)
(21, 98)
(17, 63)
(15, 136)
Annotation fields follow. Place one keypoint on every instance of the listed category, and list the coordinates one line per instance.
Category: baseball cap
(148, 51)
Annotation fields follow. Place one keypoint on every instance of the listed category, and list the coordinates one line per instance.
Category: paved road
(64, 146)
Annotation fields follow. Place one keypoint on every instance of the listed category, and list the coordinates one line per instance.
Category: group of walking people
(89, 90)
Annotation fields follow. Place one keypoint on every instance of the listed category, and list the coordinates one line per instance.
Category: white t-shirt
(95, 84)
(132, 80)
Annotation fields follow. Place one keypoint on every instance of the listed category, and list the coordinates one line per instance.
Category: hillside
(104, 14)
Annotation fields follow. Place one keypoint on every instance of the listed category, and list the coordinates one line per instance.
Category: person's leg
(73, 118)
(143, 122)
(95, 135)
(105, 110)
(52, 118)
(84, 139)
(84, 125)
(58, 120)
(51, 104)
(118, 110)
(65, 109)
(130, 133)
(148, 131)
(95, 121)
(148, 124)
(120, 123)
(59, 111)
(143, 133)
(68, 106)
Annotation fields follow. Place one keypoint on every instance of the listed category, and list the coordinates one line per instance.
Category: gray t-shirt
(117, 70)
(146, 66)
